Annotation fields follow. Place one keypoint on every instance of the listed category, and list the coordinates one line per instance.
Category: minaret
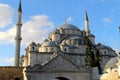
(18, 37)
(86, 24)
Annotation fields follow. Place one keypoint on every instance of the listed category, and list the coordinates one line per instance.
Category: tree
(90, 57)
(97, 58)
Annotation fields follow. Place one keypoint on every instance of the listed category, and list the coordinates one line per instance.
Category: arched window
(72, 50)
(65, 49)
(17, 78)
(46, 49)
(33, 48)
(61, 78)
(52, 49)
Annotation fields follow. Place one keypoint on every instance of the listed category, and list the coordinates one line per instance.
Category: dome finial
(65, 22)
(67, 19)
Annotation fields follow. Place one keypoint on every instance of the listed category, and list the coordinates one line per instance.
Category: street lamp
(28, 76)
(119, 52)
(119, 29)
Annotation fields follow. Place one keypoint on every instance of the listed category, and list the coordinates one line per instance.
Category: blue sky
(42, 16)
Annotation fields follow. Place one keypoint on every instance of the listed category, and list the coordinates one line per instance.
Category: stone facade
(59, 66)
(64, 55)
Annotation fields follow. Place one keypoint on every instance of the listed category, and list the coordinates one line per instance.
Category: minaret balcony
(19, 24)
(18, 38)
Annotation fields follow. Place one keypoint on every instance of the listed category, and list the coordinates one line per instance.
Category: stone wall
(53, 75)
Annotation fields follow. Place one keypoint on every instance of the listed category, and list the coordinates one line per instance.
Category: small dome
(112, 63)
(91, 35)
(39, 45)
(56, 32)
(100, 46)
(45, 40)
(68, 26)
(32, 44)
(49, 44)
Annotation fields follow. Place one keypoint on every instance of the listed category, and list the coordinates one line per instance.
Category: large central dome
(67, 26)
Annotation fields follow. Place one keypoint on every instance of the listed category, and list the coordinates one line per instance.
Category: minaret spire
(86, 16)
(18, 37)
(20, 7)
(86, 24)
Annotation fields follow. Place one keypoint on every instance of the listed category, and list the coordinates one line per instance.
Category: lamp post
(119, 30)
(28, 76)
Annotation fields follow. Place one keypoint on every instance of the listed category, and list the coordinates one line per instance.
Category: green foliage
(91, 58)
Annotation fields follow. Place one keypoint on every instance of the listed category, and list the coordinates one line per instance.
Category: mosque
(67, 54)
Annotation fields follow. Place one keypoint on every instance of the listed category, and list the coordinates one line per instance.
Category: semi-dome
(48, 44)
(112, 63)
(68, 26)
(101, 46)
(32, 44)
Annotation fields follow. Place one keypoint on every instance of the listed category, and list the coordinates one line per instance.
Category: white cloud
(36, 29)
(6, 14)
(9, 60)
(8, 36)
(106, 20)
(5, 61)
